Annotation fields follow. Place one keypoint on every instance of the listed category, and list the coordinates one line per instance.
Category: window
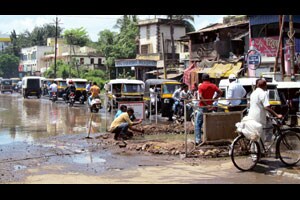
(148, 32)
(145, 49)
(81, 61)
(99, 61)
(33, 55)
(92, 60)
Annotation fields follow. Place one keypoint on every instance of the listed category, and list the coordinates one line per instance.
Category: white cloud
(93, 23)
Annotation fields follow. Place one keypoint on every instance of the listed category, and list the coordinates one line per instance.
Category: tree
(122, 45)
(181, 19)
(8, 65)
(39, 35)
(77, 36)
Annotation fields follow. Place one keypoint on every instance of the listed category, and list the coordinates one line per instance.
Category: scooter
(54, 97)
(71, 99)
(95, 104)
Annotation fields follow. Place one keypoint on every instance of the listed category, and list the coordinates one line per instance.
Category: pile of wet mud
(172, 128)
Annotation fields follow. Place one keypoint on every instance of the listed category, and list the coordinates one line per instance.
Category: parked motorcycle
(95, 104)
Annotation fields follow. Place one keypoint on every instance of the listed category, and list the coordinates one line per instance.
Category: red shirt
(207, 91)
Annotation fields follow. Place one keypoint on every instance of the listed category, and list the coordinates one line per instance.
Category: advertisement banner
(267, 46)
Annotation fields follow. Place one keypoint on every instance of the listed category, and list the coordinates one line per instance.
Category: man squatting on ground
(121, 124)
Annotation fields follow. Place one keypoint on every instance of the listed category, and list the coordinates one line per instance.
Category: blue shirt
(118, 113)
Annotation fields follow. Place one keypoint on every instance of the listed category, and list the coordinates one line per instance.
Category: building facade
(31, 61)
(155, 40)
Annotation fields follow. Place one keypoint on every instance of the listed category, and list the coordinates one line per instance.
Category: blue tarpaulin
(268, 19)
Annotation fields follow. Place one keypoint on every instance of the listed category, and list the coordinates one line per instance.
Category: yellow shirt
(123, 118)
(95, 90)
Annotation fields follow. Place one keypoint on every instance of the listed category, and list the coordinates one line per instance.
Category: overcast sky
(93, 23)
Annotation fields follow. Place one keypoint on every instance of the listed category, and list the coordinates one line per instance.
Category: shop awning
(219, 70)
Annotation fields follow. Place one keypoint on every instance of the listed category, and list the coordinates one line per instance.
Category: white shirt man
(258, 101)
(53, 87)
(235, 91)
(152, 95)
(176, 94)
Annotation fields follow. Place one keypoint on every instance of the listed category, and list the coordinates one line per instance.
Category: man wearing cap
(206, 95)
(235, 92)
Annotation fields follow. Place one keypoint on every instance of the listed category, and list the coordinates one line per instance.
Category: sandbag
(250, 128)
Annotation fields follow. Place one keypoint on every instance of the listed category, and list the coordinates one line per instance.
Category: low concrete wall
(220, 125)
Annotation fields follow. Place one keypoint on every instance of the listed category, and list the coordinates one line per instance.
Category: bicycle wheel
(244, 153)
(288, 146)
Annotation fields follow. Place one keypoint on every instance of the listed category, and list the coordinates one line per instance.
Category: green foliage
(77, 36)
(119, 45)
(8, 65)
(38, 36)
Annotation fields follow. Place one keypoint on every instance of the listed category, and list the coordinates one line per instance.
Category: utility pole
(281, 23)
(163, 54)
(55, 51)
(291, 34)
(55, 45)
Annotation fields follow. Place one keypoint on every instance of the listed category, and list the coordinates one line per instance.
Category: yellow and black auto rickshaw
(124, 90)
(249, 85)
(164, 89)
(61, 86)
(80, 84)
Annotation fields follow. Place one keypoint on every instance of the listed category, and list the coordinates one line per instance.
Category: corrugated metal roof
(219, 26)
(268, 19)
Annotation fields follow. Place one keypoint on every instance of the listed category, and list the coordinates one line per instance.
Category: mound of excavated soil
(172, 128)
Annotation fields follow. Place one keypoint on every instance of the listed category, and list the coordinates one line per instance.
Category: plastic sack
(250, 128)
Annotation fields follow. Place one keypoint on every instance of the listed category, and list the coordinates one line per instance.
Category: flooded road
(30, 119)
(44, 142)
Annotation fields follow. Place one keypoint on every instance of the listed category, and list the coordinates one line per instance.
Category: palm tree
(181, 19)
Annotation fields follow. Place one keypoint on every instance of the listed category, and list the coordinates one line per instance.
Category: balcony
(156, 56)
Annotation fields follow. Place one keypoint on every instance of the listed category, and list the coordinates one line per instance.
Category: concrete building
(31, 61)
(5, 41)
(154, 44)
(85, 57)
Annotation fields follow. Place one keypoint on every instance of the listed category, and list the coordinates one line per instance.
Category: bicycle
(245, 153)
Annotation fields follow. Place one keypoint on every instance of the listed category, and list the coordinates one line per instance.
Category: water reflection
(34, 118)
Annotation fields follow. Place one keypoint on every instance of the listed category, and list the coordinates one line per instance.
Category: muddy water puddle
(87, 159)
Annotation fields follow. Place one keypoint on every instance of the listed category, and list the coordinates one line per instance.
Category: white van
(31, 86)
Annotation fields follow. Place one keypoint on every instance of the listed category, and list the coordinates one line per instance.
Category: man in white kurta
(259, 105)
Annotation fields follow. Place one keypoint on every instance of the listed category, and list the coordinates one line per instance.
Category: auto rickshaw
(61, 86)
(80, 84)
(123, 90)
(32, 86)
(6, 86)
(14, 82)
(164, 89)
(289, 91)
(249, 85)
